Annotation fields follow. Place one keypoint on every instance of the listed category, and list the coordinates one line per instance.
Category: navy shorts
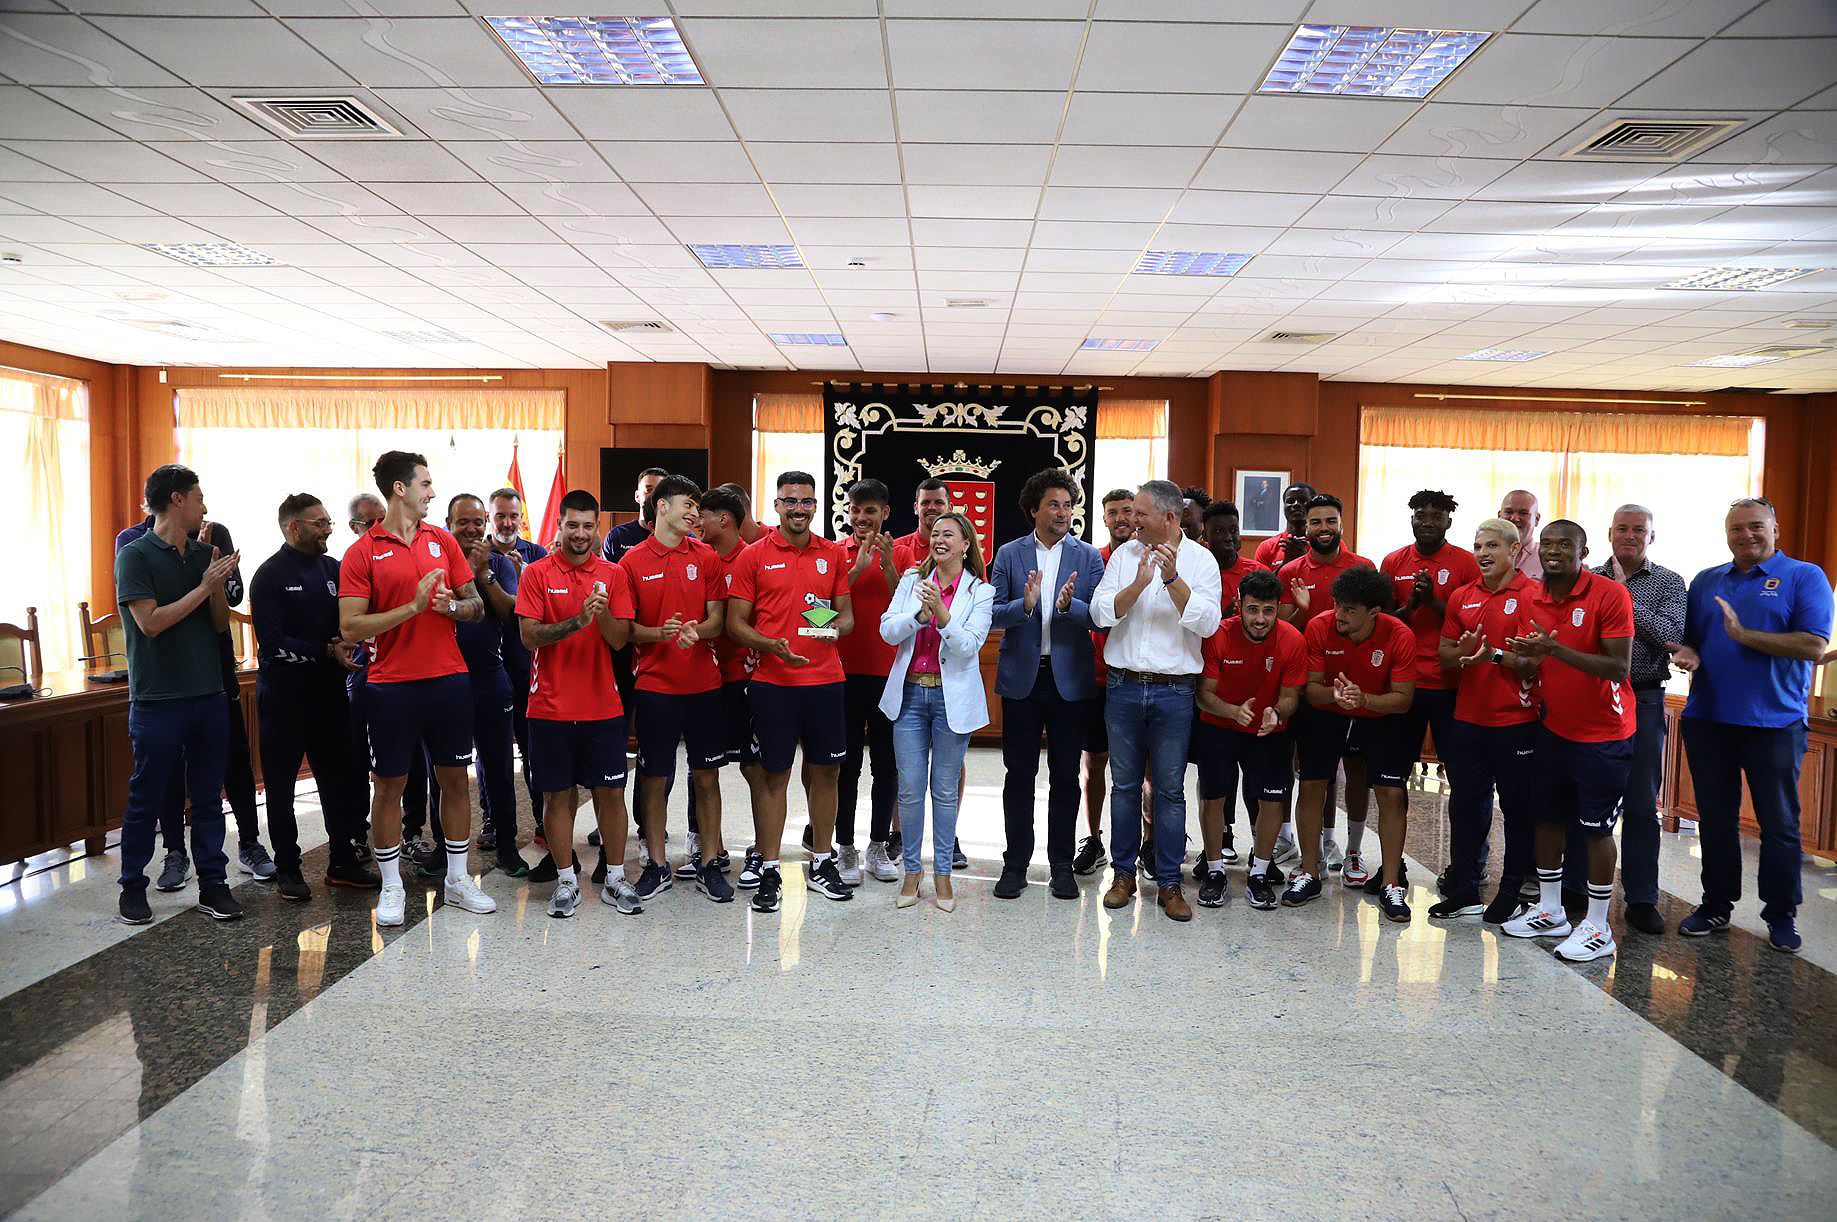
(1096, 729)
(666, 718)
(1323, 739)
(403, 716)
(563, 754)
(737, 725)
(1580, 783)
(1223, 754)
(785, 716)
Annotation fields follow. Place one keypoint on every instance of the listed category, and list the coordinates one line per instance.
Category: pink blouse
(927, 641)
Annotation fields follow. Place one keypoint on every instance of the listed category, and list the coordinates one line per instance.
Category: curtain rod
(959, 385)
(1567, 399)
(361, 377)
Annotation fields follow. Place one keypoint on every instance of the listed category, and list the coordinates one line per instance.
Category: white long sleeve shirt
(1156, 637)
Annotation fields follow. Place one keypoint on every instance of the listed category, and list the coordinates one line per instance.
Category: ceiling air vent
(966, 303)
(437, 336)
(1299, 337)
(1652, 139)
(329, 118)
(645, 325)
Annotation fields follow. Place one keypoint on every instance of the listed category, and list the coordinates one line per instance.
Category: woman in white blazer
(939, 618)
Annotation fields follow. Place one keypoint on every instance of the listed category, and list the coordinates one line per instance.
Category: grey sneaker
(565, 899)
(1286, 849)
(849, 864)
(254, 859)
(691, 866)
(880, 864)
(177, 869)
(621, 895)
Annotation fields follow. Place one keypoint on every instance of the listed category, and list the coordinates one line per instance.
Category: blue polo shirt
(1741, 686)
(482, 642)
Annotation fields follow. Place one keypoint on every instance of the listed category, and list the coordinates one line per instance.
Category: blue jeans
(187, 738)
(1149, 724)
(924, 743)
(1719, 754)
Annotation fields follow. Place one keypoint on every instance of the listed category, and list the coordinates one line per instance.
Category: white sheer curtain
(45, 420)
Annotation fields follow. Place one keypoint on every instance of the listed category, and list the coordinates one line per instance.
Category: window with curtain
(253, 446)
(45, 420)
(1581, 466)
(1131, 443)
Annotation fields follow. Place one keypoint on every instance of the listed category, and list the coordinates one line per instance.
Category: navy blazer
(1074, 664)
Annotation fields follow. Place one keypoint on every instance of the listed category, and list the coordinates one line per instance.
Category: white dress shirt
(1046, 560)
(1156, 637)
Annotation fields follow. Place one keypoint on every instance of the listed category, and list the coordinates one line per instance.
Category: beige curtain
(1559, 432)
(780, 413)
(1131, 419)
(296, 407)
(44, 420)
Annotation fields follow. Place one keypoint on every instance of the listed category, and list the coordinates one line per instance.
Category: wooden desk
(1817, 780)
(66, 761)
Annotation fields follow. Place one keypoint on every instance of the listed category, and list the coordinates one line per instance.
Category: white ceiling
(1019, 151)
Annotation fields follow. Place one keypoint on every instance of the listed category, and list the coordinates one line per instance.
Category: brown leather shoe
(1121, 891)
(1173, 902)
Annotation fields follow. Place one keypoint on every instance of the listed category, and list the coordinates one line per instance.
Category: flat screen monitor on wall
(619, 468)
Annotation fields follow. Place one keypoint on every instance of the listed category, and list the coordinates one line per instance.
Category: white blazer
(966, 704)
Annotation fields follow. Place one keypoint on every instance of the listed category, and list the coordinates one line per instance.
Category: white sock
(565, 874)
(1287, 832)
(817, 859)
(389, 864)
(1550, 889)
(1259, 867)
(456, 851)
(1598, 897)
(769, 865)
(1355, 834)
(1215, 865)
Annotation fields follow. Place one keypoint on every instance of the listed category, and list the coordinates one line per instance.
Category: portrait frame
(1258, 495)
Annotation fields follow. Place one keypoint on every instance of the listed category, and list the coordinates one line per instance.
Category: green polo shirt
(182, 661)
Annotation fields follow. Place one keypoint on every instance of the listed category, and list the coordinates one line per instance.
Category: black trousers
(1043, 710)
(870, 734)
(310, 720)
(238, 787)
(519, 729)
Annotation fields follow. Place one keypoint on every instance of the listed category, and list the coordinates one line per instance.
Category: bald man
(1520, 508)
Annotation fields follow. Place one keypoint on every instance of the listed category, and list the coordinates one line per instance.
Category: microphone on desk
(18, 691)
(104, 676)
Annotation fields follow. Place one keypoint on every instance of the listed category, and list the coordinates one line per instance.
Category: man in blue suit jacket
(1043, 584)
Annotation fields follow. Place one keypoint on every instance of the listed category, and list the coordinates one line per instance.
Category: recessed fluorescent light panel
(1740, 279)
(817, 338)
(1736, 361)
(1370, 61)
(211, 254)
(599, 50)
(728, 255)
(1189, 263)
(1503, 354)
(1119, 345)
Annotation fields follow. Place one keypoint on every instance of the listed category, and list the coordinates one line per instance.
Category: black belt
(1153, 680)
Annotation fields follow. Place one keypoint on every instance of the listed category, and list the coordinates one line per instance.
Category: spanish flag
(551, 512)
(515, 480)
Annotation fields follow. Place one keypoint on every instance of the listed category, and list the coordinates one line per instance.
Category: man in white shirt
(1160, 599)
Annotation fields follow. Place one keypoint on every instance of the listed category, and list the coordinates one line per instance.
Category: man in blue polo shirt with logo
(1753, 630)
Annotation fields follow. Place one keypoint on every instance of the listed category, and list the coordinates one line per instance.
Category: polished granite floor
(1022, 1058)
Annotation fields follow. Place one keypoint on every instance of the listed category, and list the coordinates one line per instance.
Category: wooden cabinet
(1817, 784)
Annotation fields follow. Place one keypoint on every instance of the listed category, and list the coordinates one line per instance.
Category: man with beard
(1581, 645)
(929, 502)
(1119, 523)
(1278, 550)
(793, 586)
(507, 540)
(723, 515)
(1223, 539)
(301, 701)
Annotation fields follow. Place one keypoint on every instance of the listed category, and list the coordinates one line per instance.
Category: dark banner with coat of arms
(982, 441)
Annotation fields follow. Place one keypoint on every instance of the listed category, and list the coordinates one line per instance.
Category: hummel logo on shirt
(384, 555)
(651, 577)
(771, 567)
(563, 590)
(293, 589)
(1470, 606)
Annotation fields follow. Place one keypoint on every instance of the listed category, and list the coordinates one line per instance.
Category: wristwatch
(1498, 657)
(452, 606)
(489, 579)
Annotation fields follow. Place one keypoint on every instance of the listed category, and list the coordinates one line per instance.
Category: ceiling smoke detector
(323, 118)
(1652, 139)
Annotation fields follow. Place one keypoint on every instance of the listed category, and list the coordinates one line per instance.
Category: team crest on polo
(331, 587)
(690, 572)
(1377, 657)
(822, 565)
(1269, 663)
(1511, 606)
(1773, 583)
(433, 549)
(1441, 577)
(1578, 615)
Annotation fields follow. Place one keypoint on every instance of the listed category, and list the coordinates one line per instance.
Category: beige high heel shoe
(946, 903)
(902, 900)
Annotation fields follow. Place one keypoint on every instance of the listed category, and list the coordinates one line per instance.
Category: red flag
(551, 512)
(515, 480)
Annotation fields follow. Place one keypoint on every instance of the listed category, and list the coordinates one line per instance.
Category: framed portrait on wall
(1259, 501)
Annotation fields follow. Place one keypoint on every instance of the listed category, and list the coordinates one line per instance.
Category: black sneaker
(1090, 857)
(1645, 918)
(289, 883)
(430, 861)
(713, 884)
(654, 881)
(599, 871)
(593, 838)
(134, 909)
(1375, 884)
(544, 870)
(174, 873)
(353, 873)
(750, 870)
(1012, 882)
(723, 863)
(1391, 900)
(1229, 853)
(958, 859)
(216, 902)
(809, 839)
(1505, 905)
(1457, 906)
(769, 887)
(1276, 875)
(1145, 861)
(1064, 885)
(511, 862)
(1259, 894)
(1199, 868)
(487, 841)
(1302, 887)
(824, 879)
(1212, 890)
(1444, 882)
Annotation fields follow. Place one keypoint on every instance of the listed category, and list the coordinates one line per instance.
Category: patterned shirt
(1658, 618)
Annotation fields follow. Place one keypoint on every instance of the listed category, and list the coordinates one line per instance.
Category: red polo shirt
(679, 581)
(386, 569)
(1097, 638)
(782, 582)
(1449, 569)
(908, 550)
(572, 679)
(1578, 706)
(1490, 695)
(736, 660)
(1269, 552)
(1252, 670)
(863, 652)
(1318, 576)
(1229, 579)
(1376, 664)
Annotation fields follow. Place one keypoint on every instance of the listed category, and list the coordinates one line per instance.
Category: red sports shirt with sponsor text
(863, 651)
(1318, 576)
(1377, 663)
(572, 680)
(1252, 670)
(675, 581)
(736, 660)
(1578, 706)
(386, 569)
(782, 582)
(1490, 695)
(1449, 569)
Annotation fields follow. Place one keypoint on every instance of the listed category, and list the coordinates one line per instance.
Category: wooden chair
(242, 637)
(105, 645)
(21, 658)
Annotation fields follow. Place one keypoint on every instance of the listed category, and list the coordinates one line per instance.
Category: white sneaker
(1331, 859)
(1285, 850)
(1686, 827)
(848, 861)
(1228, 854)
(465, 894)
(565, 899)
(1352, 870)
(391, 904)
(880, 865)
(1589, 941)
(1537, 923)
